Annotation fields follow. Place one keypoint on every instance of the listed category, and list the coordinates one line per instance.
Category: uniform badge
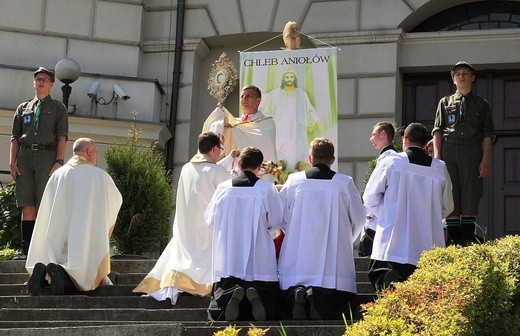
(27, 115)
(451, 115)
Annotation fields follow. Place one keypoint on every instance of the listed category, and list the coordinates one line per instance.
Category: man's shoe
(389, 278)
(57, 282)
(257, 306)
(37, 280)
(313, 312)
(298, 309)
(233, 306)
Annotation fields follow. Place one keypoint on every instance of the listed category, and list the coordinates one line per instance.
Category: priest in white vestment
(295, 118)
(252, 129)
(244, 213)
(70, 242)
(185, 263)
(410, 193)
(323, 217)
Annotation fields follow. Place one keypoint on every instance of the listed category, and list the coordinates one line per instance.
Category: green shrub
(508, 252)
(138, 171)
(10, 234)
(7, 254)
(455, 291)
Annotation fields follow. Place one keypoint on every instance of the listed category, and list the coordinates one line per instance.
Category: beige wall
(132, 42)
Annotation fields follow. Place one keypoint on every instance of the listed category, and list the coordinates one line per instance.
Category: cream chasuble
(185, 263)
(259, 132)
(75, 221)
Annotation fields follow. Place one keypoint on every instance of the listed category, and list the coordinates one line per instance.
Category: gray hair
(81, 145)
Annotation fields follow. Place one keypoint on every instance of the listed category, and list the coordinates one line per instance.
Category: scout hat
(463, 64)
(45, 71)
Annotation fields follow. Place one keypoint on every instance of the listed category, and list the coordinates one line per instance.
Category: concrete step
(91, 302)
(123, 290)
(13, 278)
(293, 328)
(305, 328)
(100, 314)
(115, 290)
(135, 266)
(117, 266)
(136, 278)
(115, 310)
(244, 325)
(119, 278)
(163, 329)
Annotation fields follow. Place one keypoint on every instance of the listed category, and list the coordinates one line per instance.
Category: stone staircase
(115, 310)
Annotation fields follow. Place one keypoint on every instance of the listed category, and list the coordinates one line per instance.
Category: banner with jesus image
(299, 91)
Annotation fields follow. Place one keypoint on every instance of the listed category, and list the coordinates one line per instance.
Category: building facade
(394, 58)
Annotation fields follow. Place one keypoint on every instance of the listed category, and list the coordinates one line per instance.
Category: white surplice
(75, 221)
(371, 222)
(322, 220)
(410, 202)
(243, 219)
(185, 263)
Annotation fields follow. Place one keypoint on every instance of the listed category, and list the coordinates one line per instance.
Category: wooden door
(499, 208)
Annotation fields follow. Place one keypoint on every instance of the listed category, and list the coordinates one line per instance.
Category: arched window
(474, 16)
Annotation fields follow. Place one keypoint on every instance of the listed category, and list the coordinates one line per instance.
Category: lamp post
(67, 70)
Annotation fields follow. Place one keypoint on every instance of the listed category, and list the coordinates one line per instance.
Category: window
(474, 16)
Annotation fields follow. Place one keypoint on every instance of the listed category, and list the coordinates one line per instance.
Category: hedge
(455, 291)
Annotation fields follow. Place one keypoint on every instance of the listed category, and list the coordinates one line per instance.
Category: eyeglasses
(41, 79)
(220, 147)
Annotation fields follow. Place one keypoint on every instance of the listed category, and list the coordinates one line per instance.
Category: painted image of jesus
(296, 120)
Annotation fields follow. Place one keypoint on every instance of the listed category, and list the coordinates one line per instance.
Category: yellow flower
(254, 331)
(229, 331)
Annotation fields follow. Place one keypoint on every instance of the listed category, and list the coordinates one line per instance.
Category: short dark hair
(417, 134)
(207, 141)
(322, 151)
(255, 89)
(250, 158)
(388, 128)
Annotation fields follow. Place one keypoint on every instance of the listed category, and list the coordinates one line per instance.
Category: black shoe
(257, 306)
(37, 280)
(298, 309)
(233, 306)
(313, 312)
(57, 281)
(389, 278)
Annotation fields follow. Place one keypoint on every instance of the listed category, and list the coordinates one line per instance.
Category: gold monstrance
(222, 79)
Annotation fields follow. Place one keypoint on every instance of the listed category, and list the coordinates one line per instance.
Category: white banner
(299, 90)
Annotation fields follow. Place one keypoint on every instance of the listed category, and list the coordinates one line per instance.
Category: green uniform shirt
(464, 119)
(53, 122)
